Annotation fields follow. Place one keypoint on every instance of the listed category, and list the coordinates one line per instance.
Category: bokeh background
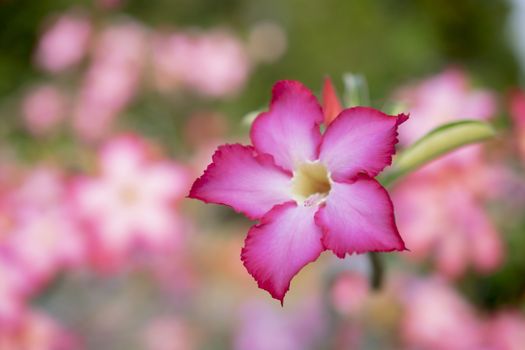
(111, 108)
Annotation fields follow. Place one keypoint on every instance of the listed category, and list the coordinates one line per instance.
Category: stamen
(311, 179)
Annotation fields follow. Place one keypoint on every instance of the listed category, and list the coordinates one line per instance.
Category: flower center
(311, 179)
(128, 195)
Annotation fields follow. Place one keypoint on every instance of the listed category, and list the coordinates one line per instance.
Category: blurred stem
(377, 272)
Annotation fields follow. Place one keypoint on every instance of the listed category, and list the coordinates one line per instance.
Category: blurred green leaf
(436, 143)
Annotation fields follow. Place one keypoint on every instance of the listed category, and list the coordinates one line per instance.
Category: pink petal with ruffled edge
(358, 217)
(360, 139)
(290, 130)
(247, 182)
(284, 242)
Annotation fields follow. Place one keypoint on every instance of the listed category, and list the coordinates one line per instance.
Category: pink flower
(443, 213)
(13, 291)
(43, 109)
(310, 191)
(506, 331)
(130, 204)
(64, 44)
(442, 217)
(443, 98)
(111, 81)
(262, 326)
(349, 293)
(41, 233)
(436, 317)
(213, 64)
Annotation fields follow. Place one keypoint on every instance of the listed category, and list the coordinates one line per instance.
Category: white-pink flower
(65, 43)
(42, 234)
(130, 205)
(311, 191)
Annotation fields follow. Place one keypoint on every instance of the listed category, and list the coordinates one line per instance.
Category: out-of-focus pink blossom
(168, 333)
(13, 292)
(441, 206)
(263, 326)
(213, 64)
(42, 234)
(435, 317)
(37, 332)
(441, 217)
(441, 99)
(111, 80)
(130, 205)
(349, 293)
(65, 43)
(505, 331)
(517, 112)
(43, 109)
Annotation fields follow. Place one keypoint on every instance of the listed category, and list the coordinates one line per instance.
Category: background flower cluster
(111, 108)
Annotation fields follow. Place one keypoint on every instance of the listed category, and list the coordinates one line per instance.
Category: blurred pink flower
(517, 112)
(441, 99)
(441, 217)
(39, 231)
(301, 183)
(505, 331)
(64, 43)
(13, 292)
(111, 80)
(213, 64)
(441, 206)
(263, 327)
(131, 203)
(349, 293)
(435, 318)
(43, 109)
(37, 332)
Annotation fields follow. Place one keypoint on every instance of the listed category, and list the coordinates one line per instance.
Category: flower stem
(377, 270)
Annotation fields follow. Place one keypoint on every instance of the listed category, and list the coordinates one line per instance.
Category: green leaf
(436, 143)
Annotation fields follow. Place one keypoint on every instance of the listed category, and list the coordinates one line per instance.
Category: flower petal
(290, 130)
(284, 242)
(331, 105)
(358, 217)
(360, 139)
(238, 177)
